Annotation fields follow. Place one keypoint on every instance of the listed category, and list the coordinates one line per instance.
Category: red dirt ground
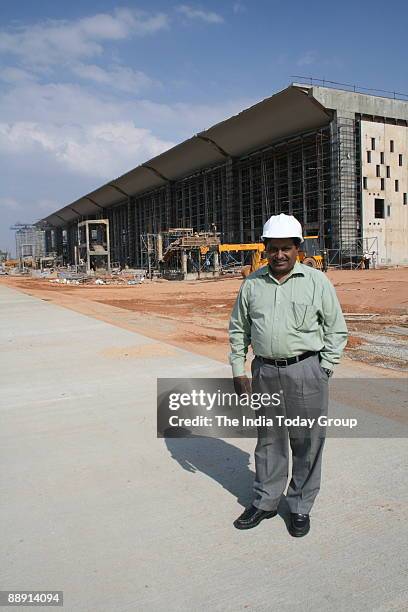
(194, 315)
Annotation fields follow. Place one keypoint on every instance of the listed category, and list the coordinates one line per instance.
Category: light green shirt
(282, 320)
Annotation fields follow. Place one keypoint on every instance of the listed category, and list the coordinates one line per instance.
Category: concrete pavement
(95, 505)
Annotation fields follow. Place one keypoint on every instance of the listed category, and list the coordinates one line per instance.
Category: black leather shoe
(299, 525)
(251, 517)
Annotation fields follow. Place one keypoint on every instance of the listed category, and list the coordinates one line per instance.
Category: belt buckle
(281, 363)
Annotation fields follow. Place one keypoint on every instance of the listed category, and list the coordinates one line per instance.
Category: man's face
(281, 254)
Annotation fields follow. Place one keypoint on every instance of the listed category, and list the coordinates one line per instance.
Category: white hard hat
(282, 226)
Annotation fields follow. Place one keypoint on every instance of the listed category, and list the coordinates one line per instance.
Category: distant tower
(30, 241)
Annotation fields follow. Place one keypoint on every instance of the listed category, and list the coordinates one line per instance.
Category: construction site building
(30, 241)
(334, 158)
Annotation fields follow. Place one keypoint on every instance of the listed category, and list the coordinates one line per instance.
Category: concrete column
(344, 187)
(184, 262)
(159, 247)
(88, 257)
(216, 261)
(108, 246)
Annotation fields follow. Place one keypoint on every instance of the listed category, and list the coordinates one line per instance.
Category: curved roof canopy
(284, 114)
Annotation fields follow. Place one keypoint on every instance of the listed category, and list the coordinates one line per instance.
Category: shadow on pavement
(221, 461)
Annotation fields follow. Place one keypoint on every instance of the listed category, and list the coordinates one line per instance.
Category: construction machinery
(186, 255)
(311, 254)
(256, 249)
(11, 263)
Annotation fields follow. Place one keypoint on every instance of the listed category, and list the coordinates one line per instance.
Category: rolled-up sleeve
(240, 331)
(334, 328)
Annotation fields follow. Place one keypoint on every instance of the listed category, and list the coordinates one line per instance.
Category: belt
(282, 363)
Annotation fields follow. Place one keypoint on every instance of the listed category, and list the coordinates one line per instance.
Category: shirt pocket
(305, 317)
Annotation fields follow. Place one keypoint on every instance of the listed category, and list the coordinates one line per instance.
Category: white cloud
(57, 103)
(308, 58)
(9, 203)
(52, 42)
(193, 13)
(117, 77)
(109, 149)
(16, 75)
(21, 136)
(101, 150)
(238, 7)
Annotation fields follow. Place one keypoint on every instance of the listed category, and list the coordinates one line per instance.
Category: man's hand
(242, 385)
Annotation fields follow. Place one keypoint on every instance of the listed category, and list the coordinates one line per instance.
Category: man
(290, 315)
(367, 259)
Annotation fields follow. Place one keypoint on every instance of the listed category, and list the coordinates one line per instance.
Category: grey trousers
(304, 391)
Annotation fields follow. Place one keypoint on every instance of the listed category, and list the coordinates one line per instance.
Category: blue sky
(89, 90)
